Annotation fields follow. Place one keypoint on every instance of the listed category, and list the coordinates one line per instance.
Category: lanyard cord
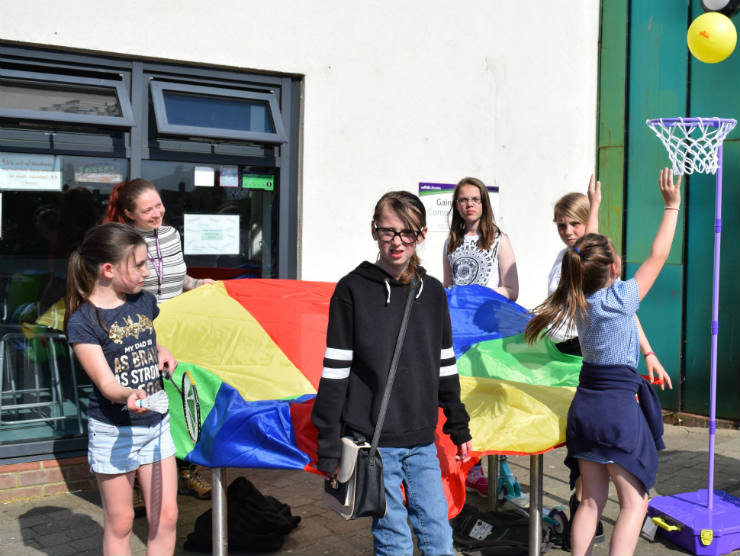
(157, 263)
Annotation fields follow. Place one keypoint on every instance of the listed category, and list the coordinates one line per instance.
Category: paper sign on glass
(204, 176)
(30, 172)
(229, 176)
(211, 234)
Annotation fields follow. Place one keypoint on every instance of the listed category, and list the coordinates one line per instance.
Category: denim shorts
(590, 456)
(112, 450)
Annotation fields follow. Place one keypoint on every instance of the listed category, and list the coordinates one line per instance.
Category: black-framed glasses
(409, 237)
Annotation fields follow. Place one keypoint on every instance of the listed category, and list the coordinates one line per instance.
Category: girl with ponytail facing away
(615, 424)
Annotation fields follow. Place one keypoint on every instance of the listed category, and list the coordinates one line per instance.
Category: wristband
(645, 355)
(671, 208)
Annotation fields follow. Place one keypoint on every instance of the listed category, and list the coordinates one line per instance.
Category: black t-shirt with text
(130, 348)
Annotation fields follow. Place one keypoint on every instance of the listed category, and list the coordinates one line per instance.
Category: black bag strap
(394, 366)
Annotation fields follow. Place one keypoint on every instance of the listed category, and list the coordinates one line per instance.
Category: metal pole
(535, 505)
(715, 327)
(220, 542)
(493, 463)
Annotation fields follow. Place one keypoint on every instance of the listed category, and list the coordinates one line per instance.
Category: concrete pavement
(72, 523)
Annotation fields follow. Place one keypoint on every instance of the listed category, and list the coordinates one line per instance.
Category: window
(63, 98)
(183, 109)
(214, 142)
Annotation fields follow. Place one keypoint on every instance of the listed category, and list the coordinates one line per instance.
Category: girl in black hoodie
(364, 319)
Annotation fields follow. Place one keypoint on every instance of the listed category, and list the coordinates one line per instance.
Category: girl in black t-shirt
(108, 320)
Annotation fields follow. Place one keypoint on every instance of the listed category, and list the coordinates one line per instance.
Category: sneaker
(476, 481)
(189, 482)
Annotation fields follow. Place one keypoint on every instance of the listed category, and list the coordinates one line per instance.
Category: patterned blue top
(608, 331)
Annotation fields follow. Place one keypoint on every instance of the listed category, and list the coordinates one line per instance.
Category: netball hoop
(694, 145)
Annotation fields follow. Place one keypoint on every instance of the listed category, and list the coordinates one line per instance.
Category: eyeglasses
(409, 237)
(469, 200)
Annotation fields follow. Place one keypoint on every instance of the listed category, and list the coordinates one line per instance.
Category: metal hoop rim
(714, 121)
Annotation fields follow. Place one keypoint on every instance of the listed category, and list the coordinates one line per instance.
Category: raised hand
(594, 201)
(670, 190)
(594, 191)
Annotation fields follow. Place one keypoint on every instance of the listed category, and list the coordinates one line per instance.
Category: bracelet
(671, 208)
(195, 283)
(645, 355)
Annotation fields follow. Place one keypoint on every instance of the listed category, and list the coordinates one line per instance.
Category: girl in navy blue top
(108, 320)
(614, 422)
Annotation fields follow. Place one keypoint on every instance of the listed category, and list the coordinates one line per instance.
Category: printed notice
(211, 234)
(30, 172)
(204, 176)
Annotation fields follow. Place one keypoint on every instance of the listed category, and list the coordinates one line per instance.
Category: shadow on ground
(690, 472)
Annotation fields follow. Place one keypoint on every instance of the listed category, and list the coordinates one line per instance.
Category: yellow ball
(711, 37)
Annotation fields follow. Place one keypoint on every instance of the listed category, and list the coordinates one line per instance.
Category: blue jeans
(418, 469)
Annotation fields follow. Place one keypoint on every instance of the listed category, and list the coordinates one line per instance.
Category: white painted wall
(395, 93)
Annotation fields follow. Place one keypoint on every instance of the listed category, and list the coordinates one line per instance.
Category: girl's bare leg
(159, 485)
(633, 502)
(595, 485)
(116, 493)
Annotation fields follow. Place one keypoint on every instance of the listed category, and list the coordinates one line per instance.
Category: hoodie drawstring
(388, 290)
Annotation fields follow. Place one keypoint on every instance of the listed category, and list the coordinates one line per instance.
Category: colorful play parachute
(255, 350)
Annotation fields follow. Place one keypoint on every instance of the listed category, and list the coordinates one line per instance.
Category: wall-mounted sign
(30, 172)
(258, 181)
(437, 199)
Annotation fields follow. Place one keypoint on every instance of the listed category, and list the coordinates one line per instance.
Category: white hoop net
(692, 143)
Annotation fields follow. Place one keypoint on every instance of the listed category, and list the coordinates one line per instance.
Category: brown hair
(488, 229)
(572, 205)
(107, 243)
(123, 197)
(410, 209)
(585, 270)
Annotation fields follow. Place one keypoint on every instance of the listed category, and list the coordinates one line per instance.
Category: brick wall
(21, 481)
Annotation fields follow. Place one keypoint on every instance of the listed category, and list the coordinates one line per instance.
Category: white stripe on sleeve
(335, 374)
(338, 354)
(448, 370)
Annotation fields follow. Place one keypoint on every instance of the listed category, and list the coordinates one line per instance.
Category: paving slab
(73, 523)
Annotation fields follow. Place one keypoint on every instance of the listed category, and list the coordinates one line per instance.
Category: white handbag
(341, 496)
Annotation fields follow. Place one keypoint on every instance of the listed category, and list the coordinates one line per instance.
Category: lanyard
(157, 263)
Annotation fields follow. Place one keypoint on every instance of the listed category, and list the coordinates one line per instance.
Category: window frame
(157, 89)
(125, 121)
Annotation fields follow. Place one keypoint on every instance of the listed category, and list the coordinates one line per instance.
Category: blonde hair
(574, 206)
(585, 270)
(410, 209)
(487, 231)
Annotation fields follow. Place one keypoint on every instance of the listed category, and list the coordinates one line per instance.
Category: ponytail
(79, 285)
(584, 270)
